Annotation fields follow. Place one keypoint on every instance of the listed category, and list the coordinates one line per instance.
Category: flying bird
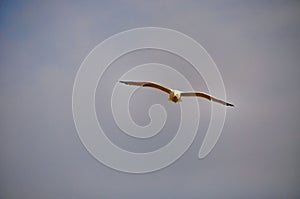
(175, 95)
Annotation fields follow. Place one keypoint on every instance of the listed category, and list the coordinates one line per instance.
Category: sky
(256, 46)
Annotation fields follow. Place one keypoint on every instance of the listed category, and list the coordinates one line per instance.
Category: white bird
(175, 95)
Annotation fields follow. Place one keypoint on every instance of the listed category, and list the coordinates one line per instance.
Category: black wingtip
(123, 82)
(228, 104)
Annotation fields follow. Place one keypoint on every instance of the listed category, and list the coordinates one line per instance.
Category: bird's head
(175, 96)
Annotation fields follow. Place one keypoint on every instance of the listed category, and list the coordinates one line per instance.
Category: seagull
(175, 95)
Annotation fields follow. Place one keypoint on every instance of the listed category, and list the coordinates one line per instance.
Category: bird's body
(175, 95)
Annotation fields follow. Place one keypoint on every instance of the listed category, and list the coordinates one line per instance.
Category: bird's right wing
(206, 96)
(147, 84)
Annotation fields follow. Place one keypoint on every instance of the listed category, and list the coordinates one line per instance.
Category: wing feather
(206, 96)
(147, 84)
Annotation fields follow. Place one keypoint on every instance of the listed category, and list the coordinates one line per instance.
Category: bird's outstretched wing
(206, 96)
(147, 84)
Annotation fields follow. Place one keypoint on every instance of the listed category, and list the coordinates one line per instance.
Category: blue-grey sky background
(256, 46)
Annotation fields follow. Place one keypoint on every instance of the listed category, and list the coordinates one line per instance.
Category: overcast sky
(256, 46)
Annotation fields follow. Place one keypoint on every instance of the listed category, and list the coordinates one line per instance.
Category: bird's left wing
(206, 96)
(147, 84)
